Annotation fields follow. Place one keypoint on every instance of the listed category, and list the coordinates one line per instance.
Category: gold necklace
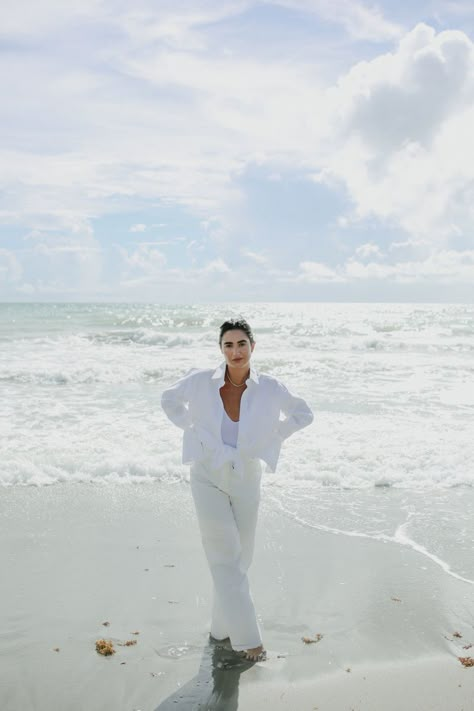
(235, 384)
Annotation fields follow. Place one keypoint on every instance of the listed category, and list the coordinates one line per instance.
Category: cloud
(255, 257)
(184, 25)
(408, 244)
(157, 243)
(138, 228)
(403, 97)
(10, 267)
(196, 121)
(71, 251)
(318, 272)
(405, 132)
(145, 258)
(442, 267)
(77, 249)
(197, 118)
(216, 266)
(179, 26)
(25, 288)
(174, 284)
(26, 19)
(361, 21)
(365, 250)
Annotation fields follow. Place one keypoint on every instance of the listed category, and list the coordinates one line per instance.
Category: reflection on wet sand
(216, 685)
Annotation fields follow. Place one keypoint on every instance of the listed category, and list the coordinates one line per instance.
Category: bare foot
(256, 654)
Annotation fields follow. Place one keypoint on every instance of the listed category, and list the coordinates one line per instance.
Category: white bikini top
(229, 430)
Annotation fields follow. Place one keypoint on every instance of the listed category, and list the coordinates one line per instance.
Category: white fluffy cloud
(404, 133)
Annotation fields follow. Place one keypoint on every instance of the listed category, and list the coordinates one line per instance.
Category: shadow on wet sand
(216, 685)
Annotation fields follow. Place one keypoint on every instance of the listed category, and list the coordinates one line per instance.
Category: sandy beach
(391, 623)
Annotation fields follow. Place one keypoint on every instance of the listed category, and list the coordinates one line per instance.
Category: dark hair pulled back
(236, 324)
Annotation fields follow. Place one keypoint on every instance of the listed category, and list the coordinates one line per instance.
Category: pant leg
(245, 505)
(228, 551)
(219, 627)
(245, 512)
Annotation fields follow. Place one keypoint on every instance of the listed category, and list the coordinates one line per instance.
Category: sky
(237, 150)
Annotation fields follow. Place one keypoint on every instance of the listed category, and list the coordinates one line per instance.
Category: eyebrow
(231, 343)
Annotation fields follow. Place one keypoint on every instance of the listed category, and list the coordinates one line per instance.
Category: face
(237, 349)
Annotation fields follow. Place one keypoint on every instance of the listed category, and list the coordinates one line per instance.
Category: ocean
(391, 386)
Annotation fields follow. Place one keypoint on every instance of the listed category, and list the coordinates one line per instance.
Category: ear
(253, 346)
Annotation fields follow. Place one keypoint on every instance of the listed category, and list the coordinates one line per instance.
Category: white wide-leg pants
(226, 504)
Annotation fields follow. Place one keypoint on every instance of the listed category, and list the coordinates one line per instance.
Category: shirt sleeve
(175, 400)
(298, 414)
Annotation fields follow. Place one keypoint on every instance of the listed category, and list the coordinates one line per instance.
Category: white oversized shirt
(194, 403)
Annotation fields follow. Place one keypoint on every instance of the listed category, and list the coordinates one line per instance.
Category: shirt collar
(219, 374)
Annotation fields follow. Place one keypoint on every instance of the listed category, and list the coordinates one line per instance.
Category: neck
(238, 377)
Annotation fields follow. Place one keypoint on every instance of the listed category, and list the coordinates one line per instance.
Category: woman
(231, 421)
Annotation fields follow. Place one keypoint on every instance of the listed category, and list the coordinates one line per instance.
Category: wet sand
(392, 623)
